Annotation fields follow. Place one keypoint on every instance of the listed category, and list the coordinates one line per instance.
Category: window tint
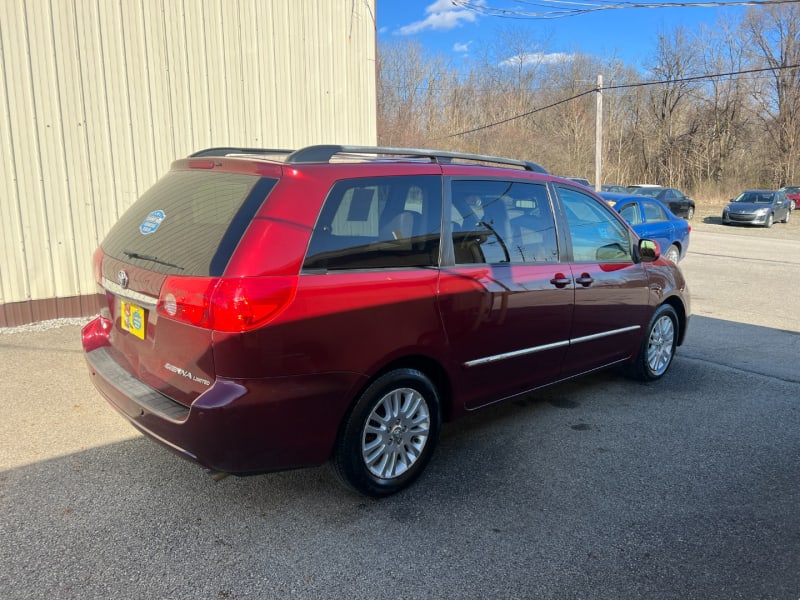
(190, 221)
(630, 212)
(497, 221)
(378, 222)
(597, 236)
(654, 213)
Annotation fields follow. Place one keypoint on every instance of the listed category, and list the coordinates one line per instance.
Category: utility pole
(598, 137)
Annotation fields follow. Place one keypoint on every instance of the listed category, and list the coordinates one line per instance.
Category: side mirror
(648, 250)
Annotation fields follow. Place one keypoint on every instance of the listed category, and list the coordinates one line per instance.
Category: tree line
(716, 111)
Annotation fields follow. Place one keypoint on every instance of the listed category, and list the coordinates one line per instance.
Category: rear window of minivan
(189, 222)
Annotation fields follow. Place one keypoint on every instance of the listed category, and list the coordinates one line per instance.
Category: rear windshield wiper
(150, 258)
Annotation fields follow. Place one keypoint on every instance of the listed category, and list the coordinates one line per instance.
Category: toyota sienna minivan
(268, 309)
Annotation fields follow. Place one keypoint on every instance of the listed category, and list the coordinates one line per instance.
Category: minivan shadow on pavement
(601, 487)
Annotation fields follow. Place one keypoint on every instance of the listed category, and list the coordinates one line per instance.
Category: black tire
(690, 213)
(786, 218)
(388, 437)
(658, 345)
(770, 221)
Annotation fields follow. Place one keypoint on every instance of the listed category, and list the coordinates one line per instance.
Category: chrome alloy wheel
(660, 345)
(395, 433)
(673, 253)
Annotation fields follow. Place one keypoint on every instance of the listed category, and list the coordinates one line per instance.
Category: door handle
(560, 281)
(585, 280)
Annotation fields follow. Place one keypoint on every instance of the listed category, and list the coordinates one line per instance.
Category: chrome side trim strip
(515, 353)
(553, 346)
(597, 336)
(116, 289)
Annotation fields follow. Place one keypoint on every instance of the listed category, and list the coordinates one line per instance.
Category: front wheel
(770, 221)
(786, 218)
(690, 213)
(389, 436)
(658, 346)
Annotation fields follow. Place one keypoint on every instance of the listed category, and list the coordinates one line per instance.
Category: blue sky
(629, 33)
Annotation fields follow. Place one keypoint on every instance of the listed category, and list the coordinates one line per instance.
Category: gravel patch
(45, 325)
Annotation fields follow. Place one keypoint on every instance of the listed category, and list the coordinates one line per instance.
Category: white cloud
(464, 48)
(537, 58)
(442, 16)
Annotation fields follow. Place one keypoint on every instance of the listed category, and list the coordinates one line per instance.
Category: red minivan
(268, 310)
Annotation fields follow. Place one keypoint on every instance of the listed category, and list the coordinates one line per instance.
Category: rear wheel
(388, 438)
(673, 253)
(658, 345)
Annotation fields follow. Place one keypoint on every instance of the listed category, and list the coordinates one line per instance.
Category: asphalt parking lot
(599, 488)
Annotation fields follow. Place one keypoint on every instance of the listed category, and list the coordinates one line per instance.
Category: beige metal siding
(97, 97)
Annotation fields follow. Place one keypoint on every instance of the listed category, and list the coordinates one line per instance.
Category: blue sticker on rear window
(152, 222)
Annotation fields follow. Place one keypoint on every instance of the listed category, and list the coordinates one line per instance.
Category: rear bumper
(236, 426)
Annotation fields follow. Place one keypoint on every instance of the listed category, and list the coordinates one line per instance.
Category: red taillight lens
(234, 304)
(187, 299)
(245, 303)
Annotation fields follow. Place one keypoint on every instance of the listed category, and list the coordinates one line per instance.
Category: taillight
(97, 265)
(246, 303)
(187, 299)
(225, 304)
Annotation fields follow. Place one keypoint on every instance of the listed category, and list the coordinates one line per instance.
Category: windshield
(755, 197)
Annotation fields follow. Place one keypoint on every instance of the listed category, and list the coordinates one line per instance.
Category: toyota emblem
(122, 279)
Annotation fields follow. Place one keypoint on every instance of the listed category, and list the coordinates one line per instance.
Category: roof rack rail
(323, 153)
(225, 151)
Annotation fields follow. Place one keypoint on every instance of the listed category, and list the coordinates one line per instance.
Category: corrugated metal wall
(97, 97)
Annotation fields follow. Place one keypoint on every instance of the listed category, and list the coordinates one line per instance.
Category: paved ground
(600, 488)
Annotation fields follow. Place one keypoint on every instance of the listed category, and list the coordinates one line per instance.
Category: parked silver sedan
(758, 207)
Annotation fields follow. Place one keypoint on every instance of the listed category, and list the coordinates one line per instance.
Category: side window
(597, 236)
(378, 222)
(653, 213)
(497, 221)
(630, 212)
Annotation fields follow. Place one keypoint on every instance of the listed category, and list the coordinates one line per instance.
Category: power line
(514, 118)
(556, 9)
(617, 87)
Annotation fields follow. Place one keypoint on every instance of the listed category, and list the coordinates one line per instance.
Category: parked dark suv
(268, 310)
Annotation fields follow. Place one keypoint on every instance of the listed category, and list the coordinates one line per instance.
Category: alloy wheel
(660, 345)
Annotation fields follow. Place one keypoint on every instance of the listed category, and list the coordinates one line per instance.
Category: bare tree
(621, 108)
(668, 142)
(412, 93)
(721, 106)
(774, 36)
(696, 129)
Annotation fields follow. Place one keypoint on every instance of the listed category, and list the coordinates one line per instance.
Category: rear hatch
(160, 264)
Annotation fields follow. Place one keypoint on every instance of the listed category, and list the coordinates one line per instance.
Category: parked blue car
(651, 219)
